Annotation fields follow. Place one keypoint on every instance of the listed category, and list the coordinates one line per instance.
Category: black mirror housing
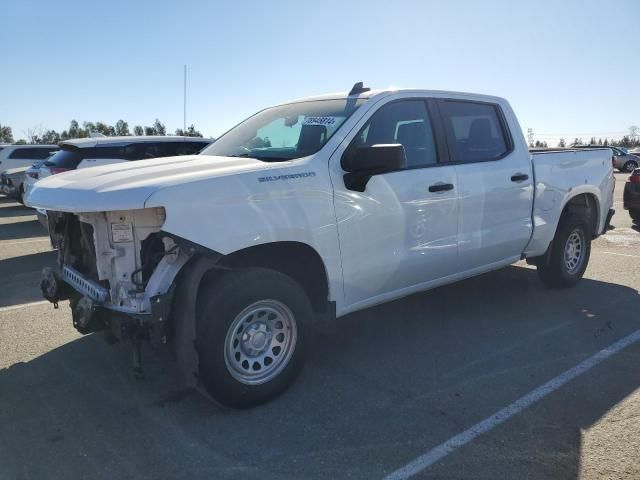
(365, 162)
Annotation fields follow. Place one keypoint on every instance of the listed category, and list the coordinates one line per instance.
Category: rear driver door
(495, 184)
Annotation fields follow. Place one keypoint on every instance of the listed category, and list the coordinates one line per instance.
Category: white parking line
(23, 305)
(622, 254)
(18, 242)
(454, 443)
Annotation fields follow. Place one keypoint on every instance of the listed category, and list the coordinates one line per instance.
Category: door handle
(441, 187)
(519, 177)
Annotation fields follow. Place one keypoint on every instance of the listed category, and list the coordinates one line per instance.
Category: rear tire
(565, 263)
(630, 166)
(255, 330)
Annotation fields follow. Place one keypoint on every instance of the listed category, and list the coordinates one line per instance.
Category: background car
(622, 160)
(17, 156)
(32, 173)
(11, 183)
(631, 196)
(92, 152)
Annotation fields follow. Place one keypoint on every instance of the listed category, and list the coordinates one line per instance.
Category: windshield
(285, 132)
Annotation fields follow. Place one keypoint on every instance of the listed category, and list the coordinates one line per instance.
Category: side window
(406, 122)
(475, 131)
(190, 148)
(184, 148)
(28, 153)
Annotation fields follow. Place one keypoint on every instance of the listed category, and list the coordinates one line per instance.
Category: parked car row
(26, 164)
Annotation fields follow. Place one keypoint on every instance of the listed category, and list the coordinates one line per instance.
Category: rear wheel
(254, 326)
(21, 195)
(564, 265)
(630, 166)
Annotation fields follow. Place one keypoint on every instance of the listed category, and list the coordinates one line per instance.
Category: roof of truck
(129, 139)
(391, 90)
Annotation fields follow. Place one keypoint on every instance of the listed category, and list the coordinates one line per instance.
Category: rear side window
(31, 153)
(405, 122)
(475, 131)
(168, 149)
(71, 157)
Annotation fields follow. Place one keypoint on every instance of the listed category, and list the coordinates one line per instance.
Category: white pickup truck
(306, 212)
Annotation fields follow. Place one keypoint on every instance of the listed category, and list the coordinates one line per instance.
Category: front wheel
(565, 263)
(630, 166)
(254, 326)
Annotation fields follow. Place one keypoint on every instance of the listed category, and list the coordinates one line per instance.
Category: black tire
(225, 299)
(634, 213)
(552, 268)
(21, 195)
(630, 166)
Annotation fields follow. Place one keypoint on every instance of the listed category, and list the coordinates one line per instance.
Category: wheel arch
(587, 206)
(297, 260)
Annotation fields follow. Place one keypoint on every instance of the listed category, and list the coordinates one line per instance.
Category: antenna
(358, 88)
(184, 116)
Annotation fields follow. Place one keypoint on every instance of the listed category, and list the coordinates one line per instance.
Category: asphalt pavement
(391, 384)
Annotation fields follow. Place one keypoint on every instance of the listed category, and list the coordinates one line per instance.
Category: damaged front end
(117, 271)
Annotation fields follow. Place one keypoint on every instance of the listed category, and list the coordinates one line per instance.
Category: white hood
(127, 185)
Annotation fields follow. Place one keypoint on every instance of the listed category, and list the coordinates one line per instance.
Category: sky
(569, 68)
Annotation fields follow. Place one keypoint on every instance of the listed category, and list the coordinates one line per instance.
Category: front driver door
(400, 234)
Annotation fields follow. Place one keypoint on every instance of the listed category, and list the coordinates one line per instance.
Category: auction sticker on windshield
(326, 121)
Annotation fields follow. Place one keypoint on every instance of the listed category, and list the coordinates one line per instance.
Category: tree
(149, 131)
(22, 141)
(122, 128)
(51, 137)
(75, 131)
(625, 142)
(6, 135)
(35, 134)
(606, 142)
(562, 143)
(190, 132)
(634, 133)
(138, 131)
(159, 128)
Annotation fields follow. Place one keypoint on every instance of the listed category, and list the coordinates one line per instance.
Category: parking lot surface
(388, 386)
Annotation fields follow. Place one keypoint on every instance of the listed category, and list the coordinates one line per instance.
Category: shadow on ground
(22, 230)
(12, 209)
(390, 383)
(20, 277)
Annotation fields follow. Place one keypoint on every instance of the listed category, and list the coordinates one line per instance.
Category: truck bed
(562, 173)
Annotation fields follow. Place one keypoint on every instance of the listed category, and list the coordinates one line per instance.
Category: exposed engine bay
(116, 268)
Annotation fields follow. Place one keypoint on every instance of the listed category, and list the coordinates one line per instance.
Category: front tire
(254, 332)
(630, 166)
(565, 263)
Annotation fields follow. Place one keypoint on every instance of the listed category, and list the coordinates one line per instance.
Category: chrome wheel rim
(260, 342)
(631, 166)
(574, 251)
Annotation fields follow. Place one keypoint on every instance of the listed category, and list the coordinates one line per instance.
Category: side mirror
(365, 162)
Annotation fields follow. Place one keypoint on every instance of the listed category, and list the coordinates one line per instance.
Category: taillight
(56, 170)
(635, 176)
